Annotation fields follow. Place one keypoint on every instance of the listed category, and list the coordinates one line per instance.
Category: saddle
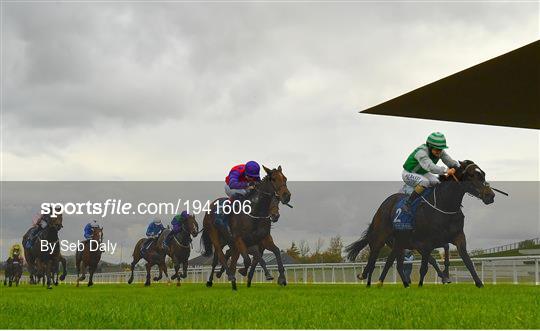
(403, 221)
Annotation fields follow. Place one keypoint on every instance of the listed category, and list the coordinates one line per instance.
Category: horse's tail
(354, 249)
(207, 248)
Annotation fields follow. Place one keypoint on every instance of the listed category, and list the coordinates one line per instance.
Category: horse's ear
(279, 167)
(268, 171)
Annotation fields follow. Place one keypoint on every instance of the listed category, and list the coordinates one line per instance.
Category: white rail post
(436, 277)
(493, 273)
(354, 274)
(482, 273)
(455, 275)
(514, 272)
(343, 274)
(305, 275)
(395, 273)
(536, 275)
(333, 275)
(323, 275)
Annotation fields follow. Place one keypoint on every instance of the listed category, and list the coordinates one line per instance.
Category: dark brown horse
(13, 271)
(89, 258)
(45, 260)
(154, 255)
(438, 219)
(274, 184)
(256, 246)
(179, 247)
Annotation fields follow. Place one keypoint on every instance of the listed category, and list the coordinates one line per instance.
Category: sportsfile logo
(119, 207)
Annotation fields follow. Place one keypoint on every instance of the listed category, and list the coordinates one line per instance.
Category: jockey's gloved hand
(450, 171)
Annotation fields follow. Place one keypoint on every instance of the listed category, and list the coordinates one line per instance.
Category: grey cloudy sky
(184, 91)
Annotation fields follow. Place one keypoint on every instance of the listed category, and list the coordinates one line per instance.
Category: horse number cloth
(405, 221)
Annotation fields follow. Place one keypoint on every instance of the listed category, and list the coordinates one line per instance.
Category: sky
(184, 91)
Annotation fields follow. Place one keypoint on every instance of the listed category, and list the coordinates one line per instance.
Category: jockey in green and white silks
(420, 170)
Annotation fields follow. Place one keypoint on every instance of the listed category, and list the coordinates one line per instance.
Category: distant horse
(13, 270)
(439, 221)
(45, 260)
(242, 224)
(154, 255)
(32, 253)
(88, 258)
(179, 247)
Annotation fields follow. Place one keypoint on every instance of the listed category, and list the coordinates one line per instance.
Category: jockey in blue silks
(241, 179)
(176, 226)
(152, 232)
(89, 229)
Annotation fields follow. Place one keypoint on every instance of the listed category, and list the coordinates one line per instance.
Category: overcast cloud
(184, 91)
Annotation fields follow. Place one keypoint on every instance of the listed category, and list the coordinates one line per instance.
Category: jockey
(39, 222)
(89, 229)
(152, 232)
(176, 224)
(241, 178)
(15, 253)
(238, 183)
(420, 168)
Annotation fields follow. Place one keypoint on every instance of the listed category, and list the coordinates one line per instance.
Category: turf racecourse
(269, 306)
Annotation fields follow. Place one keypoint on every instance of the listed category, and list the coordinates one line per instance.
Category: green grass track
(267, 306)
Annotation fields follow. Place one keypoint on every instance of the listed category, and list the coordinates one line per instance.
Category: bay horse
(179, 247)
(154, 255)
(87, 258)
(439, 221)
(256, 246)
(274, 184)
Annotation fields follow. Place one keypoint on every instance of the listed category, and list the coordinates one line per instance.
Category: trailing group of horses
(438, 222)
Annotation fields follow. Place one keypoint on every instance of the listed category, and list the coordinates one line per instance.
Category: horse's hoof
(379, 284)
(208, 284)
(232, 279)
(248, 284)
(479, 285)
(446, 280)
(130, 280)
(242, 271)
(173, 277)
(156, 279)
(62, 277)
(269, 277)
(218, 274)
(406, 285)
(183, 276)
(55, 283)
(49, 287)
(147, 284)
(90, 284)
(178, 283)
(234, 286)
(282, 281)
(360, 277)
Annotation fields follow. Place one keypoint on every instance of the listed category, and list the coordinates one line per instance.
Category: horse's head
(97, 234)
(56, 221)
(474, 180)
(279, 183)
(191, 225)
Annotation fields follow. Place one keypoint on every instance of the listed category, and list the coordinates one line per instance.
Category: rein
(434, 205)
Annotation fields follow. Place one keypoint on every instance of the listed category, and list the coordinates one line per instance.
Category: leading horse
(89, 257)
(439, 221)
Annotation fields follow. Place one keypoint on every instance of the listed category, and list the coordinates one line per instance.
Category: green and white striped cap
(437, 140)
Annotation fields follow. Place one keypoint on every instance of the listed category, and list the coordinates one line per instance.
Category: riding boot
(414, 195)
(225, 232)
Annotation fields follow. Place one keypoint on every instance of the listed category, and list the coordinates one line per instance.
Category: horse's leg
(461, 244)
(232, 268)
(136, 259)
(446, 271)
(91, 270)
(64, 268)
(268, 243)
(83, 271)
(211, 277)
(374, 250)
(433, 262)
(400, 258)
(424, 265)
(267, 273)
(222, 269)
(148, 269)
(48, 274)
(389, 262)
(256, 259)
(214, 237)
(160, 270)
